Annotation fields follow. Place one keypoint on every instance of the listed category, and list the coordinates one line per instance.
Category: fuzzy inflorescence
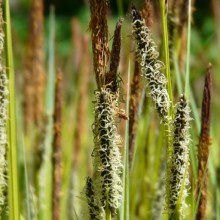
(3, 117)
(178, 181)
(107, 159)
(151, 67)
(106, 180)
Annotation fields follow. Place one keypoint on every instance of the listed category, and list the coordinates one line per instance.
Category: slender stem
(14, 212)
(166, 49)
(188, 52)
(108, 213)
(45, 175)
(125, 206)
(51, 66)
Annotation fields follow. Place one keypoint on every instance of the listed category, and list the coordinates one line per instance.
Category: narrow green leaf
(13, 192)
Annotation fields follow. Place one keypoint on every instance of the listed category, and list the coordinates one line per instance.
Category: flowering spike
(178, 163)
(151, 67)
(107, 158)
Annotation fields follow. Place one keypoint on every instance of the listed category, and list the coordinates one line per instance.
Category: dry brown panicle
(99, 29)
(203, 148)
(34, 78)
(57, 151)
(111, 76)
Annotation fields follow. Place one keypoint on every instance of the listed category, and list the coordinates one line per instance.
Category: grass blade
(45, 178)
(14, 211)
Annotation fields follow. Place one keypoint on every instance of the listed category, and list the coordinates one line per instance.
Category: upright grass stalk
(14, 209)
(45, 174)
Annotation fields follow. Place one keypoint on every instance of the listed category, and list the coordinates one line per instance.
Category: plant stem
(108, 213)
(188, 52)
(166, 50)
(125, 204)
(14, 212)
(45, 175)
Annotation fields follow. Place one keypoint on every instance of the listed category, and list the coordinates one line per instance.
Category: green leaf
(13, 192)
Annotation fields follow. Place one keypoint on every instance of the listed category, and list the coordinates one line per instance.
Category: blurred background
(73, 57)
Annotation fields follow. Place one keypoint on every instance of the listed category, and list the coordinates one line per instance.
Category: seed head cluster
(178, 180)
(151, 67)
(107, 158)
(104, 189)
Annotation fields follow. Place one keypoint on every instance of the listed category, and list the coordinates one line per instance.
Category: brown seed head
(99, 29)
